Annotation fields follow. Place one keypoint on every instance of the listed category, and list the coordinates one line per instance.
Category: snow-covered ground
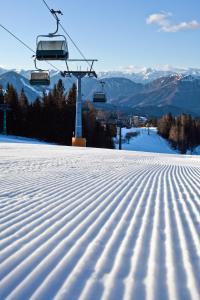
(151, 142)
(95, 224)
(18, 139)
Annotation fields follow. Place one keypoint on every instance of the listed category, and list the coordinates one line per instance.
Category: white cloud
(160, 19)
(163, 20)
(181, 26)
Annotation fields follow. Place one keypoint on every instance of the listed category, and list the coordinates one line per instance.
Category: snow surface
(89, 224)
(18, 139)
(151, 142)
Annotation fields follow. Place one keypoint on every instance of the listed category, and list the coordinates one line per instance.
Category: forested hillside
(183, 132)
(52, 117)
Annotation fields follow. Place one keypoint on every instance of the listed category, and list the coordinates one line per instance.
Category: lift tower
(78, 139)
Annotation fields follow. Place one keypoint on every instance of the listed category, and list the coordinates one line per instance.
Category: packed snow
(83, 223)
(149, 141)
(18, 139)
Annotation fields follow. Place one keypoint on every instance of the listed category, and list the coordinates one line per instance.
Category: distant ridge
(176, 93)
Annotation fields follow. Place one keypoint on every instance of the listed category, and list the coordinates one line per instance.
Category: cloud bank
(165, 24)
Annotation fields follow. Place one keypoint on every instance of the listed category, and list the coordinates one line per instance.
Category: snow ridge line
(134, 283)
(184, 199)
(170, 259)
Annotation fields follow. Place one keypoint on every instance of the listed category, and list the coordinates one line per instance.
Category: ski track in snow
(98, 224)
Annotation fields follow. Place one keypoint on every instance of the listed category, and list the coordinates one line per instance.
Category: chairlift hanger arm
(102, 84)
(35, 63)
(54, 13)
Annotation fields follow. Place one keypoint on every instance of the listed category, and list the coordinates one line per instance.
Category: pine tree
(1, 95)
(165, 124)
(11, 98)
(1, 112)
(71, 97)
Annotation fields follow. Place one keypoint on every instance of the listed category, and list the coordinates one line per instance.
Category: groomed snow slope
(151, 142)
(98, 224)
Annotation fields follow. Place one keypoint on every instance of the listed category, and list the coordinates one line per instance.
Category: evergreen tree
(52, 118)
(165, 124)
(183, 132)
(11, 98)
(71, 97)
(1, 95)
(1, 112)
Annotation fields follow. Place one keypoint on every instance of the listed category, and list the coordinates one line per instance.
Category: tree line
(52, 117)
(183, 132)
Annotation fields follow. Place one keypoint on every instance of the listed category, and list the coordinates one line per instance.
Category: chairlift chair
(100, 97)
(40, 77)
(55, 49)
(52, 46)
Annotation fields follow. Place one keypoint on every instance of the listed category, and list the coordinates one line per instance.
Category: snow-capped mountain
(174, 93)
(137, 74)
(114, 87)
(3, 70)
(19, 82)
(145, 75)
(178, 90)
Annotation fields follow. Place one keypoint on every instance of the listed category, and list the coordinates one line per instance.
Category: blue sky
(114, 31)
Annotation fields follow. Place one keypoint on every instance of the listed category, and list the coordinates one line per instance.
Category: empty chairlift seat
(52, 50)
(99, 97)
(40, 78)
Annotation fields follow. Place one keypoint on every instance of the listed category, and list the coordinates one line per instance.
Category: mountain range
(146, 91)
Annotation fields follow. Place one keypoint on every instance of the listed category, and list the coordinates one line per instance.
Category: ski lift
(39, 77)
(54, 46)
(52, 49)
(100, 96)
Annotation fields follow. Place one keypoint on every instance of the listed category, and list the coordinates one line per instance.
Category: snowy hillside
(146, 74)
(151, 142)
(98, 224)
(134, 73)
(176, 93)
(18, 139)
(148, 142)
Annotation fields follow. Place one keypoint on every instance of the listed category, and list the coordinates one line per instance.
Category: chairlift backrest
(51, 45)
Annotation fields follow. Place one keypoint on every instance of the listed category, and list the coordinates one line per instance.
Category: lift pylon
(78, 139)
